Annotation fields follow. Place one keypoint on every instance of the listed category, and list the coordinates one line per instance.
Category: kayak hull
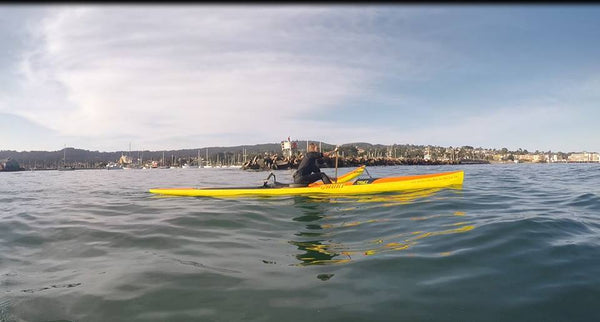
(366, 186)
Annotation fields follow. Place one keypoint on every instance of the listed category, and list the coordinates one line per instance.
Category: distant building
(500, 157)
(556, 158)
(524, 157)
(289, 148)
(539, 158)
(584, 157)
(427, 154)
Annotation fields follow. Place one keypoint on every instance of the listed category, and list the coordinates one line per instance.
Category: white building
(584, 157)
(288, 148)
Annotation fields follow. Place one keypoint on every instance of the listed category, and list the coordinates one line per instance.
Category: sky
(160, 77)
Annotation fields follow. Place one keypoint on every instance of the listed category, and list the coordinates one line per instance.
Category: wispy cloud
(154, 72)
(189, 76)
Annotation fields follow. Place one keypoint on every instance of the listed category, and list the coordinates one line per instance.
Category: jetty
(10, 165)
(279, 162)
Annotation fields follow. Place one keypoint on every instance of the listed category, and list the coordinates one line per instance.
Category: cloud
(232, 73)
(166, 77)
(156, 72)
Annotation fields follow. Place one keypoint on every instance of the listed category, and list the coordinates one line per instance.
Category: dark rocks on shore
(277, 162)
(274, 162)
(10, 165)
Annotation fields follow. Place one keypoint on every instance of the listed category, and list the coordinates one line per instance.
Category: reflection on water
(323, 225)
(385, 200)
(318, 253)
(405, 242)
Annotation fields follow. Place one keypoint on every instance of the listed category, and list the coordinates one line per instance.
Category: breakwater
(277, 162)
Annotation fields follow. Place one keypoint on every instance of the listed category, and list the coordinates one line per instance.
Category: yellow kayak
(357, 187)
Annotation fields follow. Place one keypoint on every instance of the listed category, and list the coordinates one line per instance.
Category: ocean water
(518, 242)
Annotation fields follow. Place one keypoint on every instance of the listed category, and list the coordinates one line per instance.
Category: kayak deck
(344, 178)
(360, 186)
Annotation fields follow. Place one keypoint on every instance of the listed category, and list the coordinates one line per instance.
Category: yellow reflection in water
(418, 235)
(317, 253)
(383, 200)
(352, 223)
(327, 252)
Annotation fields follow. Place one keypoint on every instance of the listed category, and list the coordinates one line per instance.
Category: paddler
(308, 170)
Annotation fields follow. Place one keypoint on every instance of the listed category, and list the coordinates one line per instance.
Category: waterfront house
(584, 157)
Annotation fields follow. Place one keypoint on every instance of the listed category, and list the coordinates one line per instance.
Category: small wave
(69, 285)
(588, 201)
(199, 265)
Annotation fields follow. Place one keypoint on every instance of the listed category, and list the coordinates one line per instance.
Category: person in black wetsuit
(308, 170)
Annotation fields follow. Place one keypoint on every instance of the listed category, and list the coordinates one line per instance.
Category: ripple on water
(517, 242)
(587, 201)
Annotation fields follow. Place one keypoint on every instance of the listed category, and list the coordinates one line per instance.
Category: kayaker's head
(313, 148)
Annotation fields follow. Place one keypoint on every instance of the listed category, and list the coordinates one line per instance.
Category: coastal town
(286, 156)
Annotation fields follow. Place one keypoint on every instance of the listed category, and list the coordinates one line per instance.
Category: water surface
(518, 242)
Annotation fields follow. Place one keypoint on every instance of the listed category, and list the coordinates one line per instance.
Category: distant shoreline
(327, 167)
(378, 154)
